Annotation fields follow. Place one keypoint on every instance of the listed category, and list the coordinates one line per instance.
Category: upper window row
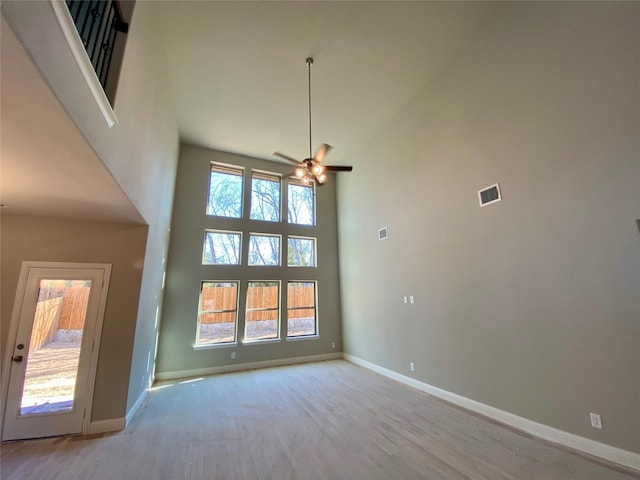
(225, 196)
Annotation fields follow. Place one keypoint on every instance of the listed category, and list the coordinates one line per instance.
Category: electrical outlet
(405, 299)
(412, 367)
(596, 420)
(233, 354)
(333, 344)
(411, 299)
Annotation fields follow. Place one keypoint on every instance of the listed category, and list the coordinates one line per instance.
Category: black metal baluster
(100, 32)
(83, 31)
(108, 49)
(98, 23)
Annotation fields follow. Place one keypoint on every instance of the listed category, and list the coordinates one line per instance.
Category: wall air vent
(489, 195)
(383, 233)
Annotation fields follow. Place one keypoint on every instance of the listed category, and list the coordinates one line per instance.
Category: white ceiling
(239, 82)
(239, 76)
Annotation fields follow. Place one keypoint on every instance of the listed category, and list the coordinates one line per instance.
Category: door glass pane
(54, 348)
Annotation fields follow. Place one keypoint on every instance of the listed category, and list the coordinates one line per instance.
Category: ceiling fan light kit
(310, 169)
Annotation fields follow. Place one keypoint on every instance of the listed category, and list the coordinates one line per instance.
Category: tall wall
(55, 240)
(185, 270)
(530, 305)
(140, 151)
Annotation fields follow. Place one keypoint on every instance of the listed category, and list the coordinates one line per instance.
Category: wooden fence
(224, 298)
(62, 305)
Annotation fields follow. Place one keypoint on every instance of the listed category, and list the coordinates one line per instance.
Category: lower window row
(218, 311)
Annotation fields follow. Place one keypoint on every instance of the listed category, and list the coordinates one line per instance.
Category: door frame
(15, 320)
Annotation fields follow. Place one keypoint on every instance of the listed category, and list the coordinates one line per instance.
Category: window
(300, 205)
(301, 252)
(246, 231)
(217, 313)
(221, 248)
(265, 197)
(263, 310)
(225, 191)
(264, 249)
(301, 309)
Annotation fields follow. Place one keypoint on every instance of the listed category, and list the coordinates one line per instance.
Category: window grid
(261, 321)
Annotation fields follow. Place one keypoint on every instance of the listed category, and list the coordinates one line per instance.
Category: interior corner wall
(26, 238)
(530, 305)
(185, 271)
(140, 151)
(146, 166)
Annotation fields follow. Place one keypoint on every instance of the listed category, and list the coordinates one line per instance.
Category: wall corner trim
(82, 59)
(104, 426)
(607, 452)
(136, 406)
(246, 366)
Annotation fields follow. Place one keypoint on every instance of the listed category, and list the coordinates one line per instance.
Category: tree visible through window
(225, 191)
(301, 252)
(221, 248)
(300, 204)
(265, 197)
(237, 236)
(264, 249)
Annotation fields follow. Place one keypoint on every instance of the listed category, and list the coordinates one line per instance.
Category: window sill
(261, 342)
(210, 346)
(302, 337)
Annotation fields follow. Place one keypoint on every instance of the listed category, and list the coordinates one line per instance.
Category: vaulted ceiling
(239, 76)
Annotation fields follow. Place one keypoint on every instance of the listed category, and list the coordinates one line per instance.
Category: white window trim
(211, 346)
(299, 338)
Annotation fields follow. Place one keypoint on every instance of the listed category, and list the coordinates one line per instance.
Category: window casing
(217, 313)
(301, 251)
(264, 249)
(301, 309)
(263, 311)
(225, 191)
(221, 247)
(301, 203)
(265, 197)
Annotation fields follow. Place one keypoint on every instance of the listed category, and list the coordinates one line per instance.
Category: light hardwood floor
(326, 420)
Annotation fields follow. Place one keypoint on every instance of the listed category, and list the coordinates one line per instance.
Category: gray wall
(531, 305)
(121, 245)
(185, 270)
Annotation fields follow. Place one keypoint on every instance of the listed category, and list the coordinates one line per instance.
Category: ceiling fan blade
(338, 168)
(288, 158)
(322, 151)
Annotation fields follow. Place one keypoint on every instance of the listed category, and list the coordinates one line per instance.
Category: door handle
(17, 358)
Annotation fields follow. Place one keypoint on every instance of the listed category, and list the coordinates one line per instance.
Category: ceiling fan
(311, 169)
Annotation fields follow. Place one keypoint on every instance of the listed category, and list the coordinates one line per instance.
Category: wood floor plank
(327, 420)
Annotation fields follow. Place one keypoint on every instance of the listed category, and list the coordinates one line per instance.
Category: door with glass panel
(52, 350)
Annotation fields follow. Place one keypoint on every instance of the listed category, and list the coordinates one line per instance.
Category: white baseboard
(597, 449)
(103, 426)
(132, 411)
(245, 366)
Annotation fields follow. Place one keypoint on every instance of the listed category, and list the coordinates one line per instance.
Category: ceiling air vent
(489, 195)
(383, 233)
